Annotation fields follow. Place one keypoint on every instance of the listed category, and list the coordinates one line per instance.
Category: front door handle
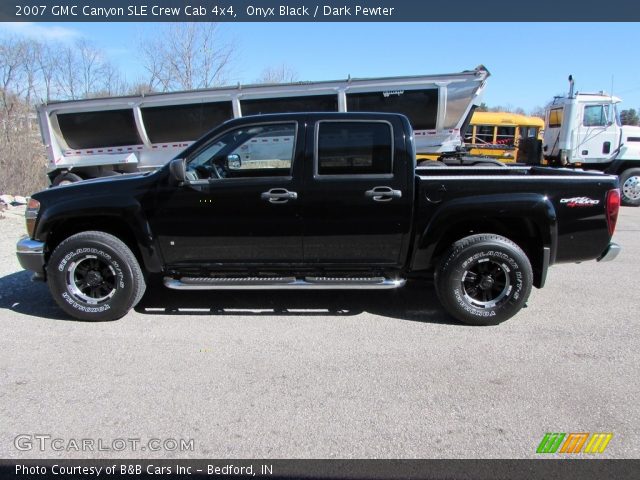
(278, 195)
(383, 194)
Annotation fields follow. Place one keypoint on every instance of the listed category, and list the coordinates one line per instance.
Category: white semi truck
(583, 130)
(108, 136)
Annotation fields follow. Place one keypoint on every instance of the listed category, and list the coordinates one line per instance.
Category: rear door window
(354, 148)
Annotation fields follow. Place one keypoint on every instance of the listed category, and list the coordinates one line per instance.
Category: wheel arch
(618, 167)
(116, 223)
(529, 220)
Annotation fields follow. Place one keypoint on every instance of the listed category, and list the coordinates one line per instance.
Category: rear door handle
(383, 194)
(278, 195)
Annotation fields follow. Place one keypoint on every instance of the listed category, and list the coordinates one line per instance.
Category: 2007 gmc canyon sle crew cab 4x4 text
(320, 200)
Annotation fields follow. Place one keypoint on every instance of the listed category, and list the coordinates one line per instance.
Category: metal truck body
(101, 137)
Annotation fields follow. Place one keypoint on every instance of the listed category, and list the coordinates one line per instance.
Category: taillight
(31, 214)
(613, 205)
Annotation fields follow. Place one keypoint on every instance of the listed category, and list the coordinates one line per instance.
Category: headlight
(31, 214)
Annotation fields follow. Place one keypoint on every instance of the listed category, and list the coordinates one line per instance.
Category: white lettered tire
(483, 279)
(94, 276)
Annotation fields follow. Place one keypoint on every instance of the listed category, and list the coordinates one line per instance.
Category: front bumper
(611, 252)
(31, 255)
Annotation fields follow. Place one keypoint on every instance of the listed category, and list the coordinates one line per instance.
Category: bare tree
(537, 112)
(186, 56)
(83, 72)
(281, 74)
(91, 66)
(507, 108)
(12, 84)
(540, 110)
(48, 62)
(21, 152)
(67, 77)
(112, 83)
(30, 72)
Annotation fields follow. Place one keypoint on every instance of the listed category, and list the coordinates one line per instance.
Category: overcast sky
(529, 62)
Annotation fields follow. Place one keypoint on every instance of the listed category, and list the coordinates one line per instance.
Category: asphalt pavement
(322, 374)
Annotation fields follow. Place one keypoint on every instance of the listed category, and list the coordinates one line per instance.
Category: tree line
(177, 57)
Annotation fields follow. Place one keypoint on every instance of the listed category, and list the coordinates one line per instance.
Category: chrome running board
(275, 283)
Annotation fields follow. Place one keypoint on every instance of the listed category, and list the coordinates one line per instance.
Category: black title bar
(317, 11)
(568, 469)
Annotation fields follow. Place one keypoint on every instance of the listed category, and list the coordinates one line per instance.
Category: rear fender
(486, 212)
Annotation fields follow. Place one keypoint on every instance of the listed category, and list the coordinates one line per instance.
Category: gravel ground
(324, 375)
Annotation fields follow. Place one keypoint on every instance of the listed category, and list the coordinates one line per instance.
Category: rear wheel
(483, 279)
(630, 187)
(94, 276)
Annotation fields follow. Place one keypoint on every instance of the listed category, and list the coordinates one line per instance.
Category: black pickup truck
(317, 201)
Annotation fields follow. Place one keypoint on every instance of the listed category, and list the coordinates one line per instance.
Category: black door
(240, 205)
(357, 204)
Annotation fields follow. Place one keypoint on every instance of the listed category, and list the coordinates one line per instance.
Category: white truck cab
(583, 130)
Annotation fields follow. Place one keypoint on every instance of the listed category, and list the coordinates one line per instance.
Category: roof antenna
(612, 87)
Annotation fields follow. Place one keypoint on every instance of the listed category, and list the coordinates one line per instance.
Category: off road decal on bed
(579, 202)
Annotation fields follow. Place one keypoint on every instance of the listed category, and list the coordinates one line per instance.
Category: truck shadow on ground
(416, 301)
(19, 294)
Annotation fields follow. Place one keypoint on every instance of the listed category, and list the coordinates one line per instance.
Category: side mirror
(178, 170)
(234, 162)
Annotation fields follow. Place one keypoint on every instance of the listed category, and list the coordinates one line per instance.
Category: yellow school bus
(498, 134)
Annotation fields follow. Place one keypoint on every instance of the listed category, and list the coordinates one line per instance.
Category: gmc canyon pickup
(317, 201)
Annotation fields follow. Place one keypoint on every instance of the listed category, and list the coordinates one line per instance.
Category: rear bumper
(611, 252)
(31, 255)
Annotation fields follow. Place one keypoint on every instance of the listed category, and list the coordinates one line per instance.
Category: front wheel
(94, 276)
(66, 178)
(630, 187)
(483, 279)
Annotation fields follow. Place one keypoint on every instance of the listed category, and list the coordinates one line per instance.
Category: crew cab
(317, 201)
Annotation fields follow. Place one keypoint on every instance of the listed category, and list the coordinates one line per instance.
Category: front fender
(105, 207)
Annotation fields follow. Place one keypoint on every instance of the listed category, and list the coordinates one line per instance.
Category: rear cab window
(353, 148)
(555, 117)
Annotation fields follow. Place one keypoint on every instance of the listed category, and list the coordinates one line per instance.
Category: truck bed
(572, 201)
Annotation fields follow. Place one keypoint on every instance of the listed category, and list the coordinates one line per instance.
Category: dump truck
(109, 136)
